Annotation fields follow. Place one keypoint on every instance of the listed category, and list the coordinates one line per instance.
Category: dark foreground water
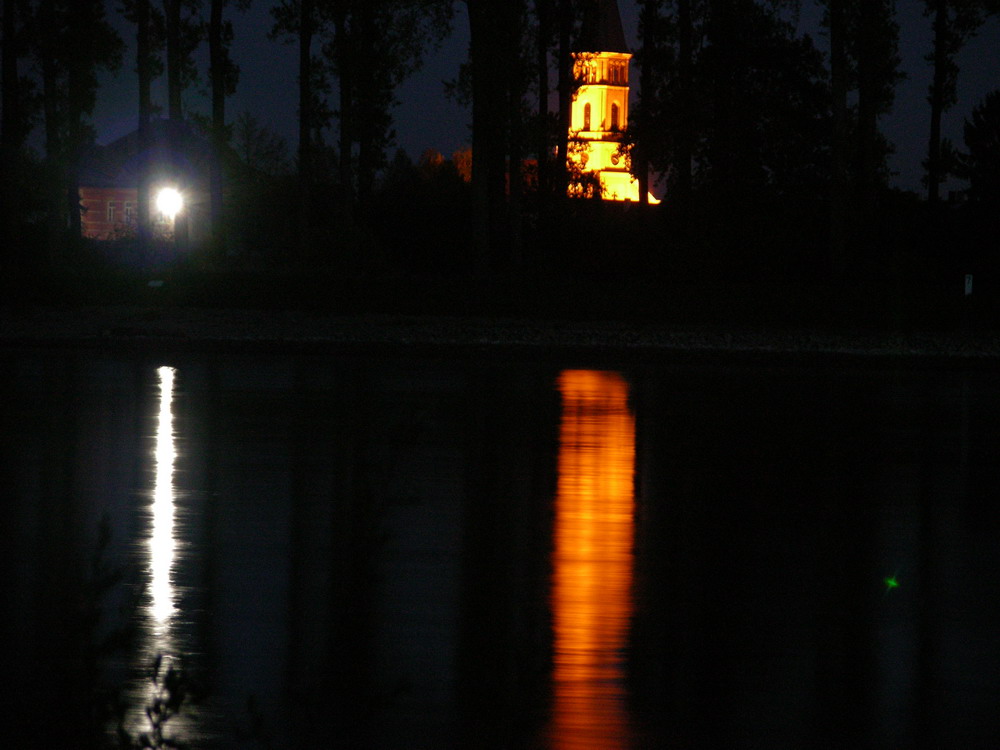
(496, 552)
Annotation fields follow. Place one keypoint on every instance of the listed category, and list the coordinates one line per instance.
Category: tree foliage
(184, 31)
(18, 102)
(980, 163)
(372, 47)
(71, 43)
(259, 148)
(18, 110)
(224, 74)
(954, 23)
(744, 96)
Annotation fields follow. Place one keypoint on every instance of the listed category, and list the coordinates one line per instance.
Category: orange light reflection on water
(593, 564)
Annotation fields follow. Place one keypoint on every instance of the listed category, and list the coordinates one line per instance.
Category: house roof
(175, 149)
(601, 30)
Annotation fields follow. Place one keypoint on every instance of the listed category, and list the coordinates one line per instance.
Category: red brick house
(107, 212)
(177, 156)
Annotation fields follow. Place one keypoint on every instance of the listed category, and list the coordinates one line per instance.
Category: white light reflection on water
(159, 550)
(161, 538)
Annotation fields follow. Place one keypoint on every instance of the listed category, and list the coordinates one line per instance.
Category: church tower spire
(601, 30)
(599, 114)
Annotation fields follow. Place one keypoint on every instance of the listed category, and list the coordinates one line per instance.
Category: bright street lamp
(169, 202)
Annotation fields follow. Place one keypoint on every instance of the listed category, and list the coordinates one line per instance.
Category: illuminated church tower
(600, 107)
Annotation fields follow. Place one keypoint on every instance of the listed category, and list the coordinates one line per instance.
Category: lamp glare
(169, 202)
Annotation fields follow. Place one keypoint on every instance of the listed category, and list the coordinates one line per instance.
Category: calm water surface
(416, 552)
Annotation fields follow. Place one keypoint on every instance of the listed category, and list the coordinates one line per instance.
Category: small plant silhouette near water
(174, 687)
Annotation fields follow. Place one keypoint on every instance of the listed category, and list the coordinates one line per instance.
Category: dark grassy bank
(734, 260)
(879, 305)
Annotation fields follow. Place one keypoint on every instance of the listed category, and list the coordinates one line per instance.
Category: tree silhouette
(730, 97)
(372, 47)
(509, 56)
(980, 163)
(840, 192)
(955, 22)
(262, 150)
(493, 43)
(15, 124)
(864, 58)
(662, 125)
(545, 17)
(71, 42)
(874, 43)
(224, 75)
(148, 21)
(298, 21)
(12, 131)
(184, 32)
(567, 86)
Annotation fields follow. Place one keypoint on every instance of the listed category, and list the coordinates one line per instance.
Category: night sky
(425, 118)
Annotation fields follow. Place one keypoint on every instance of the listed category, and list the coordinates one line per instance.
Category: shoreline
(133, 327)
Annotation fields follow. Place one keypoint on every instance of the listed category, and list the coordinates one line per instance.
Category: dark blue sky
(426, 119)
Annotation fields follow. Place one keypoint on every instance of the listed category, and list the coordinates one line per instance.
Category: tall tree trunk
(217, 56)
(10, 126)
(345, 66)
(306, 28)
(684, 151)
(566, 87)
(489, 114)
(868, 104)
(543, 11)
(74, 138)
(54, 192)
(722, 33)
(73, 156)
(50, 107)
(145, 73)
(937, 94)
(513, 18)
(539, 247)
(175, 134)
(640, 163)
(367, 91)
(10, 135)
(478, 50)
(172, 10)
(839, 186)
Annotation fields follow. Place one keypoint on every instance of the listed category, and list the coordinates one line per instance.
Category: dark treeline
(764, 141)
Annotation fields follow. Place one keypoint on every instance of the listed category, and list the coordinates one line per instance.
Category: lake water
(499, 551)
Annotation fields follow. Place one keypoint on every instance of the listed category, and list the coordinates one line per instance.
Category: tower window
(614, 116)
(586, 116)
(111, 212)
